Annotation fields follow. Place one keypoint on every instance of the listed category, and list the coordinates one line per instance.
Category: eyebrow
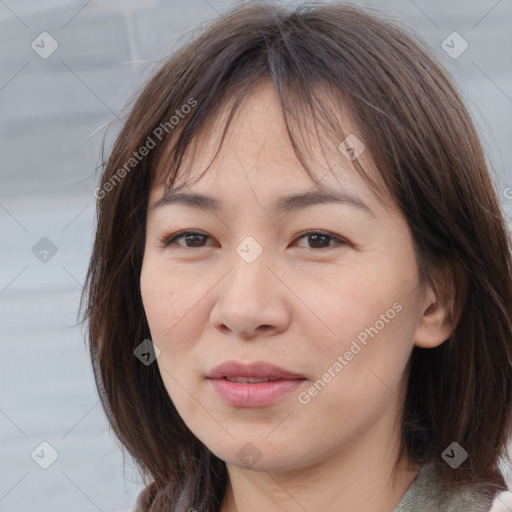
(282, 204)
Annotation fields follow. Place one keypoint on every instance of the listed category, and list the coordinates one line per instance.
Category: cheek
(357, 303)
(159, 312)
(172, 324)
(361, 375)
(156, 297)
(168, 304)
(371, 315)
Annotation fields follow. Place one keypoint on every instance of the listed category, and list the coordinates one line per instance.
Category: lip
(259, 369)
(258, 394)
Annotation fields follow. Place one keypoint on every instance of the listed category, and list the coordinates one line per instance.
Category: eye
(192, 239)
(320, 240)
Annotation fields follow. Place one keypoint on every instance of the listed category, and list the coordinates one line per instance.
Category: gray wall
(54, 110)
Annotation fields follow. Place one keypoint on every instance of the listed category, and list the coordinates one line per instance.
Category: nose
(251, 301)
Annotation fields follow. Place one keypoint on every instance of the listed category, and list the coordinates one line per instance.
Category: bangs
(315, 116)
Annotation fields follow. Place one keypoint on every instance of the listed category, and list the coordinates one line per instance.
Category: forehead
(257, 147)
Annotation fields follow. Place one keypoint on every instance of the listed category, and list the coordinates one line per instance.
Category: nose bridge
(249, 273)
(249, 297)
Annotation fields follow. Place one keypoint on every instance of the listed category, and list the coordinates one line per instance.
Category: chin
(261, 455)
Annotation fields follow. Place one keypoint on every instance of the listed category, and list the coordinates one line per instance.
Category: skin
(298, 305)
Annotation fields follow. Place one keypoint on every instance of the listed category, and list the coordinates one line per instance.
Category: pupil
(315, 239)
(190, 238)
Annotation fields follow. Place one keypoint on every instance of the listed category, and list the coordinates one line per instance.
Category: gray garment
(424, 495)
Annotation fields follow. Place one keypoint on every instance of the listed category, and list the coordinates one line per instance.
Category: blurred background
(67, 70)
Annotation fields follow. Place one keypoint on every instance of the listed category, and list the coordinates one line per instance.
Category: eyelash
(170, 240)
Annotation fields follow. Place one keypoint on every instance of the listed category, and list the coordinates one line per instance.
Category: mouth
(254, 385)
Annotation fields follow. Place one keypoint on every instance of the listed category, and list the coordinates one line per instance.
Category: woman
(300, 292)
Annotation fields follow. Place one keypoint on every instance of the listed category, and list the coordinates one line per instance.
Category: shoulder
(425, 494)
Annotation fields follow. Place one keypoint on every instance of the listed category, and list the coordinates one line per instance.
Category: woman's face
(338, 310)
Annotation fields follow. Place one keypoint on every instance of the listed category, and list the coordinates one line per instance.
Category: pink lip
(253, 394)
(257, 369)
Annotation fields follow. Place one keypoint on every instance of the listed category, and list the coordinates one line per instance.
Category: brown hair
(422, 140)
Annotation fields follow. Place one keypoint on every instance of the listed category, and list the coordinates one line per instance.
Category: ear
(434, 326)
